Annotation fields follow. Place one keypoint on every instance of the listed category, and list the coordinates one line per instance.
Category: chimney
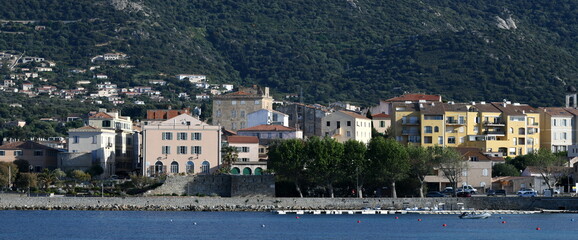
(266, 91)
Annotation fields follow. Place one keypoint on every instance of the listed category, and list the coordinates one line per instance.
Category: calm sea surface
(251, 225)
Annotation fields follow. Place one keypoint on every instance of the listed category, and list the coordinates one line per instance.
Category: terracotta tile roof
(472, 152)
(380, 115)
(239, 93)
(514, 109)
(243, 139)
(415, 98)
(164, 114)
(572, 110)
(25, 145)
(555, 111)
(87, 127)
(353, 114)
(101, 115)
(486, 107)
(266, 127)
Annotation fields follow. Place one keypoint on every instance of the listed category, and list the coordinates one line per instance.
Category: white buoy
(195, 223)
(263, 225)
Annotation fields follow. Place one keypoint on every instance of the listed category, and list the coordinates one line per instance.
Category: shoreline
(264, 204)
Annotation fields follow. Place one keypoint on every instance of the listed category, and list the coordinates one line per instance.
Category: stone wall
(217, 185)
(191, 203)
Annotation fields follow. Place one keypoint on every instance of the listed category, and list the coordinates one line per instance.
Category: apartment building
(248, 160)
(306, 118)
(498, 129)
(557, 128)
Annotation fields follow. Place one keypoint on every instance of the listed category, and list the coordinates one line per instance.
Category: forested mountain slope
(348, 50)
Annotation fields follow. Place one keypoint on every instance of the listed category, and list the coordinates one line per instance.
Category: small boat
(473, 215)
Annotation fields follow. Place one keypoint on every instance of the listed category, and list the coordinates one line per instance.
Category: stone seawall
(13, 201)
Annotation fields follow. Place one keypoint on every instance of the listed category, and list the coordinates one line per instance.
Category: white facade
(267, 117)
(344, 125)
(100, 143)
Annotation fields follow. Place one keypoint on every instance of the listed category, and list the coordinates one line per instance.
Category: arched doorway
(258, 171)
(159, 169)
(246, 171)
(206, 167)
(174, 167)
(235, 171)
(190, 167)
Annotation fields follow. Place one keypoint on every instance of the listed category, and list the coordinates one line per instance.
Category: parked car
(527, 192)
(464, 194)
(435, 194)
(449, 191)
(498, 192)
(468, 189)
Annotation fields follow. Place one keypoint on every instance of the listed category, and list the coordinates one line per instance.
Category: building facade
(98, 143)
(306, 118)
(248, 160)
(181, 145)
(345, 125)
(230, 110)
(269, 117)
(37, 155)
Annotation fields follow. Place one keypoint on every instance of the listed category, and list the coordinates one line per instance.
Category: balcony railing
(455, 122)
(494, 133)
(494, 123)
(409, 132)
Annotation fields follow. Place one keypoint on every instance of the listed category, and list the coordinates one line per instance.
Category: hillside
(347, 50)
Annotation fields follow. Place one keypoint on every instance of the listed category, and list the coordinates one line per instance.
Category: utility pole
(9, 177)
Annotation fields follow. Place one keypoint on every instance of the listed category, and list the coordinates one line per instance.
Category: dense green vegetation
(359, 50)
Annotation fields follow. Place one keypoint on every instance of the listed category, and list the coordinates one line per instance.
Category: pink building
(181, 145)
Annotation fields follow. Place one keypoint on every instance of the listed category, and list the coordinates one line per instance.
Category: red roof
(25, 145)
(101, 115)
(380, 115)
(162, 114)
(266, 127)
(243, 139)
(415, 98)
(239, 93)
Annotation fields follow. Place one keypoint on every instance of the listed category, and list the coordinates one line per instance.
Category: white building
(98, 142)
(267, 117)
(193, 78)
(345, 125)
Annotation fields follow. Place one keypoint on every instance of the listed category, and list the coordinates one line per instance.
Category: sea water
(265, 225)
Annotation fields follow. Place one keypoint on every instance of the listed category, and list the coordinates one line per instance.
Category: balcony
(455, 122)
(495, 133)
(494, 123)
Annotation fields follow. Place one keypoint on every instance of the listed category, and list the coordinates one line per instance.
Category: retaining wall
(13, 201)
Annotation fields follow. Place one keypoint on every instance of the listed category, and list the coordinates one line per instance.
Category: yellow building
(497, 129)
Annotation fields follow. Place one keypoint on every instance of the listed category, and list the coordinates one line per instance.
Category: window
(280, 135)
(38, 153)
(485, 172)
(219, 102)
(75, 139)
(2, 153)
(205, 167)
(242, 125)
(328, 123)
(427, 139)
(521, 131)
(564, 122)
(233, 113)
(451, 140)
(440, 140)
(477, 119)
(476, 129)
(511, 130)
(182, 136)
(242, 102)
(473, 158)
(106, 123)
(433, 117)
(18, 153)
(196, 149)
(166, 150)
(462, 139)
(555, 122)
(349, 123)
(244, 159)
(517, 118)
(427, 129)
(462, 120)
(196, 136)
(234, 102)
(349, 133)
(461, 129)
(382, 124)
(564, 136)
(167, 136)
(515, 141)
(219, 113)
(181, 150)
(242, 114)
(93, 139)
(436, 129)
(257, 102)
(243, 149)
(174, 167)
(234, 126)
